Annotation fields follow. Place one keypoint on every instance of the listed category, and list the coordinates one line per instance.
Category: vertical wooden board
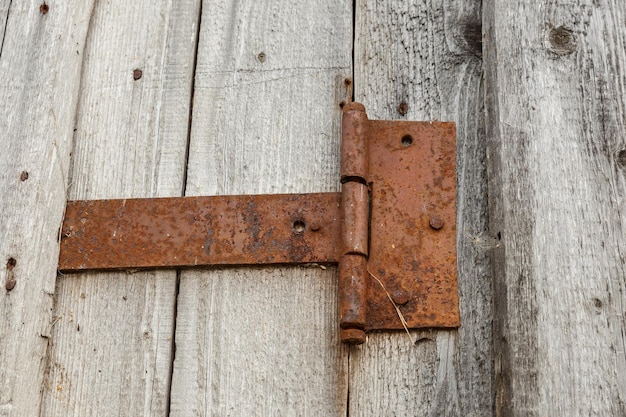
(39, 82)
(266, 119)
(555, 80)
(254, 342)
(112, 337)
(4, 16)
(422, 61)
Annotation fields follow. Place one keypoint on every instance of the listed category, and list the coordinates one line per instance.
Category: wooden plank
(555, 111)
(112, 338)
(39, 73)
(422, 61)
(264, 341)
(4, 16)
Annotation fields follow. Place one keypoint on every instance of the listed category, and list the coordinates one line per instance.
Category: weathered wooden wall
(244, 97)
(269, 79)
(112, 340)
(555, 82)
(422, 61)
(232, 98)
(39, 91)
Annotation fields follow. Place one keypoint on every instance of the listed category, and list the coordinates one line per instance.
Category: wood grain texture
(4, 16)
(261, 342)
(112, 339)
(555, 82)
(39, 73)
(422, 61)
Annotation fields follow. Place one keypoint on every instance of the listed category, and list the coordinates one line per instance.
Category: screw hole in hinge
(298, 226)
(407, 140)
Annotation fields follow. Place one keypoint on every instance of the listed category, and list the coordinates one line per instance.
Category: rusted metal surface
(353, 277)
(355, 223)
(353, 285)
(411, 174)
(413, 224)
(354, 143)
(192, 231)
(398, 181)
(353, 336)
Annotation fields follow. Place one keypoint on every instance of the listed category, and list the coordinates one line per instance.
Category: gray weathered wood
(263, 341)
(427, 55)
(39, 73)
(4, 14)
(266, 119)
(555, 82)
(112, 337)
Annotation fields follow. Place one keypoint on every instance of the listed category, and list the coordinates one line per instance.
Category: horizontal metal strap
(193, 231)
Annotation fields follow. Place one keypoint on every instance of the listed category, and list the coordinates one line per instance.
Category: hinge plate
(413, 224)
(412, 228)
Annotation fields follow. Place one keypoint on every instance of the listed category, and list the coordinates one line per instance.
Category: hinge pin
(353, 279)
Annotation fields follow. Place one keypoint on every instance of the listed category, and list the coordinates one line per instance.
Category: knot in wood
(562, 41)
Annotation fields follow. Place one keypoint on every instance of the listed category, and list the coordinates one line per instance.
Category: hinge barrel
(352, 276)
(354, 146)
(355, 221)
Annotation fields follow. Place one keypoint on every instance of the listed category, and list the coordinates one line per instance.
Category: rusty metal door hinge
(392, 229)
